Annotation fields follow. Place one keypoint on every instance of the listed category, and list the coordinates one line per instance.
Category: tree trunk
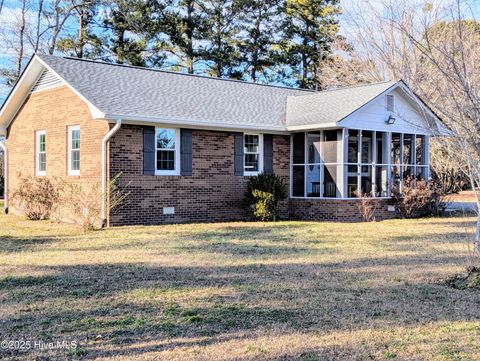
(81, 34)
(21, 40)
(189, 41)
(120, 46)
(39, 17)
(477, 234)
(255, 52)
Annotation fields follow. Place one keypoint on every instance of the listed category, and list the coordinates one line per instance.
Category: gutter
(104, 169)
(5, 177)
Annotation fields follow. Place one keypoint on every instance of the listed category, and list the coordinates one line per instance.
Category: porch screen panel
(352, 168)
(331, 181)
(366, 158)
(299, 148)
(330, 146)
(421, 168)
(313, 180)
(332, 154)
(396, 151)
(381, 181)
(298, 181)
(312, 168)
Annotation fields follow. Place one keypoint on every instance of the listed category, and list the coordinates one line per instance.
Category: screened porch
(346, 163)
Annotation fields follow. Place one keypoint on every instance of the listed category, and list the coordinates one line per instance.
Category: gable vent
(390, 103)
(47, 80)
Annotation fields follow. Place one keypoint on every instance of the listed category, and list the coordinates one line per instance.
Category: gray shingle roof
(138, 92)
(133, 93)
(331, 106)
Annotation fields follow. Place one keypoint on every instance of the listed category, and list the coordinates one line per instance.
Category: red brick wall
(212, 193)
(343, 210)
(54, 110)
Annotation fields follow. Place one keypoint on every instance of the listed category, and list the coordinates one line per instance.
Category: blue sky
(11, 10)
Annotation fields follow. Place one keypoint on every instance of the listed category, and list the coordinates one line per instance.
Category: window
(40, 153)
(390, 103)
(74, 150)
(252, 145)
(167, 151)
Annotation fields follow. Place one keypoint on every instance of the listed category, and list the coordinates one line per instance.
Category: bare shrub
(37, 197)
(418, 198)
(84, 201)
(368, 206)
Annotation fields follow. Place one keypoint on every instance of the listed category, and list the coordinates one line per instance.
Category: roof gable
(328, 108)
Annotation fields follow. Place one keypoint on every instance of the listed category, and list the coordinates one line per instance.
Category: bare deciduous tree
(436, 49)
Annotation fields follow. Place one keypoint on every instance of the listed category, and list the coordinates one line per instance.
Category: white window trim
(260, 155)
(38, 172)
(176, 171)
(70, 129)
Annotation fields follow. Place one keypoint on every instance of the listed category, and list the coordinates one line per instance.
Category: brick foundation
(342, 210)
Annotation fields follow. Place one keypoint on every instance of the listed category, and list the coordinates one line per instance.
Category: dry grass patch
(279, 291)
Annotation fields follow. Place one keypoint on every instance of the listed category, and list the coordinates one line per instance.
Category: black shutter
(268, 153)
(149, 150)
(186, 152)
(238, 162)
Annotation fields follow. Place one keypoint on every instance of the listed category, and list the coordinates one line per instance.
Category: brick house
(187, 144)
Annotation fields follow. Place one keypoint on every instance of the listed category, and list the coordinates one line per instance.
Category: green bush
(263, 194)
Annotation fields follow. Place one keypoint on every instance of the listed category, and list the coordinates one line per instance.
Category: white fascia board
(20, 92)
(294, 128)
(23, 88)
(416, 101)
(95, 112)
(193, 124)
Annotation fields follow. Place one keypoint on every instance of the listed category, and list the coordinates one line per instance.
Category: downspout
(104, 169)
(5, 177)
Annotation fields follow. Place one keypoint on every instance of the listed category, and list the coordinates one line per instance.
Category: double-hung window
(253, 156)
(74, 150)
(41, 153)
(167, 152)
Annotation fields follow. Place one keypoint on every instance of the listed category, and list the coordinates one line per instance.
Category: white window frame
(39, 172)
(70, 129)
(176, 149)
(260, 155)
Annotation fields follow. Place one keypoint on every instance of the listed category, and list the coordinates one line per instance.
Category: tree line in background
(281, 41)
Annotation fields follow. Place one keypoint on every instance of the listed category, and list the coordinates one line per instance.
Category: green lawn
(240, 291)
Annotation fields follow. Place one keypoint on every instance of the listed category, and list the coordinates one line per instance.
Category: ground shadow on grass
(21, 244)
(109, 304)
(118, 308)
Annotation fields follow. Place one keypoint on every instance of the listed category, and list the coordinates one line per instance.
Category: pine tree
(128, 24)
(221, 52)
(185, 25)
(85, 44)
(310, 27)
(258, 25)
